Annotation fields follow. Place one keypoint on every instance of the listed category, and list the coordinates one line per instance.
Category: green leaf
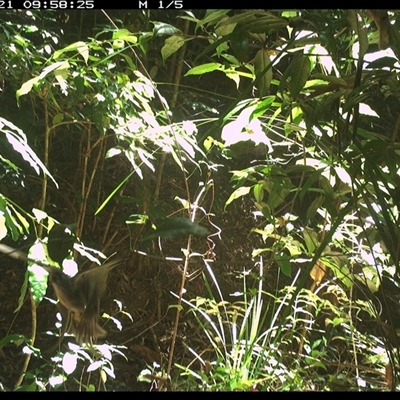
(124, 34)
(356, 26)
(258, 190)
(19, 142)
(26, 87)
(171, 45)
(244, 18)
(240, 45)
(309, 182)
(114, 192)
(186, 146)
(61, 65)
(264, 24)
(81, 47)
(40, 215)
(69, 362)
(3, 212)
(129, 62)
(314, 206)
(145, 157)
(331, 79)
(267, 212)
(9, 163)
(24, 227)
(11, 223)
(17, 339)
(283, 262)
(262, 107)
(203, 69)
(162, 29)
(79, 84)
(37, 276)
(339, 267)
(234, 76)
(118, 44)
(58, 118)
(225, 30)
(263, 75)
(289, 14)
(212, 17)
(326, 187)
(23, 290)
(240, 192)
(3, 228)
(278, 187)
(83, 50)
(363, 40)
(310, 239)
(300, 72)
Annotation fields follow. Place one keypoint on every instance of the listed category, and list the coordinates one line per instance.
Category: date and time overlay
(85, 4)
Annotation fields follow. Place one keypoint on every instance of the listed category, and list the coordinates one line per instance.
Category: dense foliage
(244, 162)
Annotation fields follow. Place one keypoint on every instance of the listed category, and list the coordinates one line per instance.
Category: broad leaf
(240, 192)
(171, 46)
(300, 72)
(203, 69)
(263, 71)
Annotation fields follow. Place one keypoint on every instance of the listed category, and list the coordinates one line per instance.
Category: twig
(32, 342)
